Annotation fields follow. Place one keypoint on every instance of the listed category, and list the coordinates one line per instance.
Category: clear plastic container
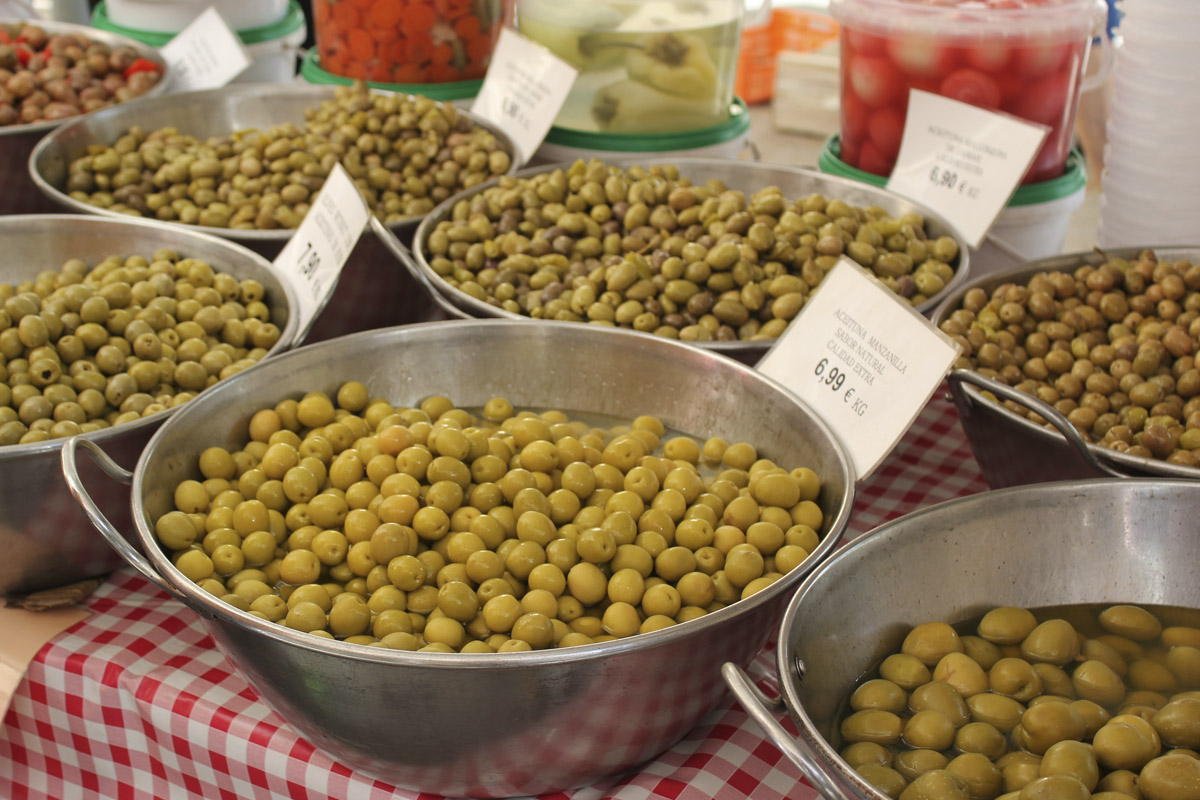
(645, 66)
(1023, 57)
(413, 42)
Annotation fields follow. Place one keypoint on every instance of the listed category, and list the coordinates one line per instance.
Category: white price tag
(523, 90)
(963, 161)
(207, 54)
(313, 258)
(863, 359)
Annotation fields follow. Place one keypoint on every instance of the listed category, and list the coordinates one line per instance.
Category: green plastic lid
(737, 125)
(310, 70)
(292, 21)
(1073, 179)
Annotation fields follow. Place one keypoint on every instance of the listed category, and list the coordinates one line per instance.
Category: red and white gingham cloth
(136, 703)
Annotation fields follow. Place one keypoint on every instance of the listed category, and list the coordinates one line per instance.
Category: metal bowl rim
(1021, 274)
(481, 310)
(286, 335)
(104, 37)
(212, 607)
(829, 759)
(318, 91)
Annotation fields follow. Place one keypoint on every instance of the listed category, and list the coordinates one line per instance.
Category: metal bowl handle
(763, 710)
(96, 516)
(1047, 411)
(405, 257)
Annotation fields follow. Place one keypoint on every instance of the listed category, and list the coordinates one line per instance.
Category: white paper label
(523, 90)
(313, 258)
(864, 360)
(207, 54)
(962, 161)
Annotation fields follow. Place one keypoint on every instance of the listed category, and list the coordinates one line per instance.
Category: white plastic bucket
(1033, 231)
(171, 16)
(274, 48)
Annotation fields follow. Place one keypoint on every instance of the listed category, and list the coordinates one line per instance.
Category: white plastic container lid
(172, 16)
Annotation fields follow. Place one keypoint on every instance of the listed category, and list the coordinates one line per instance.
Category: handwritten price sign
(523, 90)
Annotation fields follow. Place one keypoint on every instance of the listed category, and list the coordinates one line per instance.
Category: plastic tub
(454, 91)
(1034, 223)
(726, 140)
(273, 48)
(657, 66)
(171, 16)
(421, 41)
(1026, 61)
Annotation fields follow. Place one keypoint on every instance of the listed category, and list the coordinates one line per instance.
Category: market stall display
(1138, 332)
(36, 247)
(723, 254)
(568, 731)
(1121, 542)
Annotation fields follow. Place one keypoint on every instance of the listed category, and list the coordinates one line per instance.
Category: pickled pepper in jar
(407, 41)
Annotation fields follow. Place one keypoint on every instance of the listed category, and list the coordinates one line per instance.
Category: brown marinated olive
(1118, 361)
(85, 75)
(385, 505)
(600, 244)
(402, 152)
(1110, 708)
(91, 348)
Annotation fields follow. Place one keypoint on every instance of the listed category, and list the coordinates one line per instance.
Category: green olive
(1170, 777)
(937, 784)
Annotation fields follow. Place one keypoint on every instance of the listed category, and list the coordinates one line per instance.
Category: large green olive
(930, 642)
(1178, 722)
(1007, 625)
(1054, 641)
(1072, 758)
(982, 777)
(938, 784)
(1172, 777)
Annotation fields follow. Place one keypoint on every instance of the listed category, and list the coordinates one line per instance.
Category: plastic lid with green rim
(292, 21)
(1073, 179)
(737, 125)
(310, 70)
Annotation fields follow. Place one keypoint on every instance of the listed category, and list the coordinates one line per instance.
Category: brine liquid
(644, 67)
(1084, 617)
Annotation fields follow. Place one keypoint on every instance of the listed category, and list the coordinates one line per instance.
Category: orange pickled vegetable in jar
(407, 41)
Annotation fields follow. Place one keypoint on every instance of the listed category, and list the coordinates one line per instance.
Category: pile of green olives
(1111, 347)
(405, 153)
(438, 529)
(1063, 705)
(85, 348)
(650, 250)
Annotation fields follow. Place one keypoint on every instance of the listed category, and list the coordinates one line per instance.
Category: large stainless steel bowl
(1076, 542)
(1013, 450)
(46, 540)
(210, 112)
(20, 195)
(745, 176)
(509, 723)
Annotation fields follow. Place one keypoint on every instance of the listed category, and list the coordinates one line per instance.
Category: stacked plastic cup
(1151, 168)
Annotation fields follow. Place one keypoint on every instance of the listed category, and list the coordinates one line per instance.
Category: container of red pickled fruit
(407, 41)
(1021, 57)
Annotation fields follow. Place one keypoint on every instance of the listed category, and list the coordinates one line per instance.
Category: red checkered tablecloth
(136, 702)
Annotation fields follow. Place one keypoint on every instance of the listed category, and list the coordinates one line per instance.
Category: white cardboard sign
(863, 359)
(313, 258)
(207, 54)
(963, 161)
(523, 90)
